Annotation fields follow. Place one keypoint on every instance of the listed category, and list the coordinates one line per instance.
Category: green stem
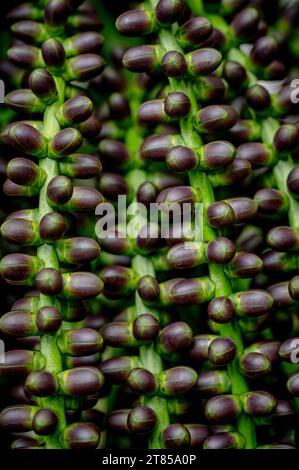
(199, 180)
(282, 168)
(196, 6)
(150, 359)
(231, 329)
(281, 172)
(47, 254)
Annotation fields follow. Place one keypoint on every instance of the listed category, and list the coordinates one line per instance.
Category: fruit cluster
(142, 333)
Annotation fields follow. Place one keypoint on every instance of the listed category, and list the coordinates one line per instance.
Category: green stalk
(143, 266)
(47, 254)
(281, 172)
(200, 181)
(282, 169)
(150, 359)
(196, 6)
(269, 127)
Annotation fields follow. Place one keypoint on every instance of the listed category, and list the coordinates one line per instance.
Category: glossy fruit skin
(177, 380)
(135, 22)
(81, 381)
(174, 64)
(44, 422)
(81, 436)
(215, 118)
(142, 381)
(224, 440)
(222, 351)
(141, 420)
(195, 31)
(41, 383)
(222, 409)
(170, 11)
(213, 383)
(177, 105)
(142, 58)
